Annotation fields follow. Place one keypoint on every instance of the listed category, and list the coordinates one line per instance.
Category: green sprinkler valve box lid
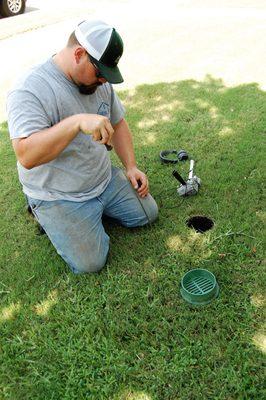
(199, 287)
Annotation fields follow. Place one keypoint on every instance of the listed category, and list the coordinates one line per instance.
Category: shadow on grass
(98, 335)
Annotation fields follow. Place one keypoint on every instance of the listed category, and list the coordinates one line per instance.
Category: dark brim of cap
(111, 74)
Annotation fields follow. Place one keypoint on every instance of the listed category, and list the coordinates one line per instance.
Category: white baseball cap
(104, 45)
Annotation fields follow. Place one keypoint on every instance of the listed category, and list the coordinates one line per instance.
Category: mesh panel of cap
(94, 36)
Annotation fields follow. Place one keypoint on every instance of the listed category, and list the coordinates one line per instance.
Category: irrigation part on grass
(199, 287)
(191, 186)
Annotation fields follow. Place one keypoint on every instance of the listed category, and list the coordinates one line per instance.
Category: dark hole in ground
(200, 223)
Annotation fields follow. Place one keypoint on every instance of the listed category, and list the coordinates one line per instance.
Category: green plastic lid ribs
(199, 287)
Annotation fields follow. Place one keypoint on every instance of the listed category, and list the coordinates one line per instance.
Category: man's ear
(79, 53)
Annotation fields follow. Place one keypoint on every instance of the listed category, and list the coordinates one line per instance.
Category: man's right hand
(98, 126)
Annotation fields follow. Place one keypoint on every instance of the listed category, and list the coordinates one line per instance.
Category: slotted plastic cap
(199, 287)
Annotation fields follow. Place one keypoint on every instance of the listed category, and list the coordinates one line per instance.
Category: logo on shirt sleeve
(104, 110)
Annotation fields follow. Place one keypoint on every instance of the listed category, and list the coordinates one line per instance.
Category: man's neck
(61, 60)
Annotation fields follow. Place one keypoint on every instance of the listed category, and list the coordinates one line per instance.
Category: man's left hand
(139, 181)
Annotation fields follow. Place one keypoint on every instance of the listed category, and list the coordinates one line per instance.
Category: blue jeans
(76, 230)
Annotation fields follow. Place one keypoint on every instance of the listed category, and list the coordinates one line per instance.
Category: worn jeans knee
(123, 203)
(76, 231)
(150, 208)
(88, 257)
(93, 264)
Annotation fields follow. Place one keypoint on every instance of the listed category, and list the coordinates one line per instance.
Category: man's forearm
(44, 146)
(123, 145)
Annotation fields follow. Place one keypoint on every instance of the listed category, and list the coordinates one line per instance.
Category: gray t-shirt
(42, 98)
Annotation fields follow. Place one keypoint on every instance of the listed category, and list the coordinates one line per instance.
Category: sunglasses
(97, 71)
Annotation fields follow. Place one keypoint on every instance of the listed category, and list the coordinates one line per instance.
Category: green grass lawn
(126, 333)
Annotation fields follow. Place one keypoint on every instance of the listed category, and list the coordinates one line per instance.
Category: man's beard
(88, 89)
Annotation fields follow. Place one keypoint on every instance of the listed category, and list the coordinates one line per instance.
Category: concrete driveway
(171, 41)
